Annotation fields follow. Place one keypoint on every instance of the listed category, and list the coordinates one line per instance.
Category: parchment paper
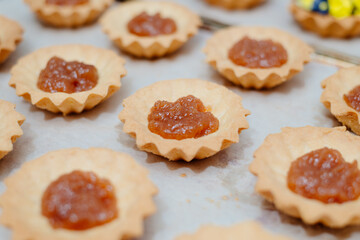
(218, 190)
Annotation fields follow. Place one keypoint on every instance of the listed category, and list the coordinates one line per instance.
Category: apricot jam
(353, 98)
(252, 53)
(185, 118)
(78, 201)
(145, 25)
(67, 77)
(67, 2)
(324, 175)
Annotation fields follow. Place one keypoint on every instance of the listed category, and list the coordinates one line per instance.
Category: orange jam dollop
(67, 77)
(324, 175)
(252, 53)
(79, 201)
(185, 118)
(145, 25)
(353, 98)
(67, 2)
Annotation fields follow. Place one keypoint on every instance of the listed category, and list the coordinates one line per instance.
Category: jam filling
(67, 2)
(67, 77)
(252, 53)
(324, 175)
(185, 118)
(145, 25)
(353, 98)
(78, 201)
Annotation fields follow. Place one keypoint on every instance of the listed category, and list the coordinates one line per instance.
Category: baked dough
(246, 231)
(326, 25)
(10, 130)
(110, 67)
(222, 41)
(114, 24)
(21, 202)
(225, 105)
(272, 161)
(235, 4)
(68, 16)
(10, 36)
(332, 97)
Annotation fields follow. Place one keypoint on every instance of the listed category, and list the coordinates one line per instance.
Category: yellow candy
(357, 6)
(341, 8)
(306, 4)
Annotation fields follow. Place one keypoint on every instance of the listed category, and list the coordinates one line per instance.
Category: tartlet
(221, 42)
(326, 25)
(114, 24)
(235, 4)
(246, 230)
(335, 87)
(224, 104)
(68, 16)
(274, 157)
(10, 130)
(21, 202)
(110, 67)
(10, 36)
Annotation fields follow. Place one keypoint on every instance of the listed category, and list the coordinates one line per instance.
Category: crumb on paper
(210, 200)
(225, 198)
(237, 199)
(183, 175)
(188, 201)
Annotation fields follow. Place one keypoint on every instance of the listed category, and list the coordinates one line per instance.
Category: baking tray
(217, 190)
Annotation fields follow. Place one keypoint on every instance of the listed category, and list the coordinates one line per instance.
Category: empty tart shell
(21, 202)
(68, 16)
(326, 25)
(247, 230)
(272, 161)
(235, 4)
(225, 105)
(222, 41)
(110, 67)
(335, 87)
(10, 130)
(10, 36)
(115, 21)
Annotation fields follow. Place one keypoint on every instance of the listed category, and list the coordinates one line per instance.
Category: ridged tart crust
(236, 4)
(332, 97)
(10, 130)
(221, 42)
(110, 67)
(246, 231)
(114, 24)
(10, 36)
(273, 159)
(21, 202)
(68, 16)
(326, 25)
(224, 104)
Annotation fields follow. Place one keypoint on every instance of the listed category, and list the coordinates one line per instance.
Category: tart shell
(221, 42)
(246, 231)
(21, 202)
(325, 25)
(110, 67)
(68, 16)
(235, 4)
(225, 105)
(273, 159)
(10, 130)
(10, 36)
(114, 24)
(335, 87)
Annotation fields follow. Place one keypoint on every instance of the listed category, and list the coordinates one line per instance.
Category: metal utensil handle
(322, 54)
